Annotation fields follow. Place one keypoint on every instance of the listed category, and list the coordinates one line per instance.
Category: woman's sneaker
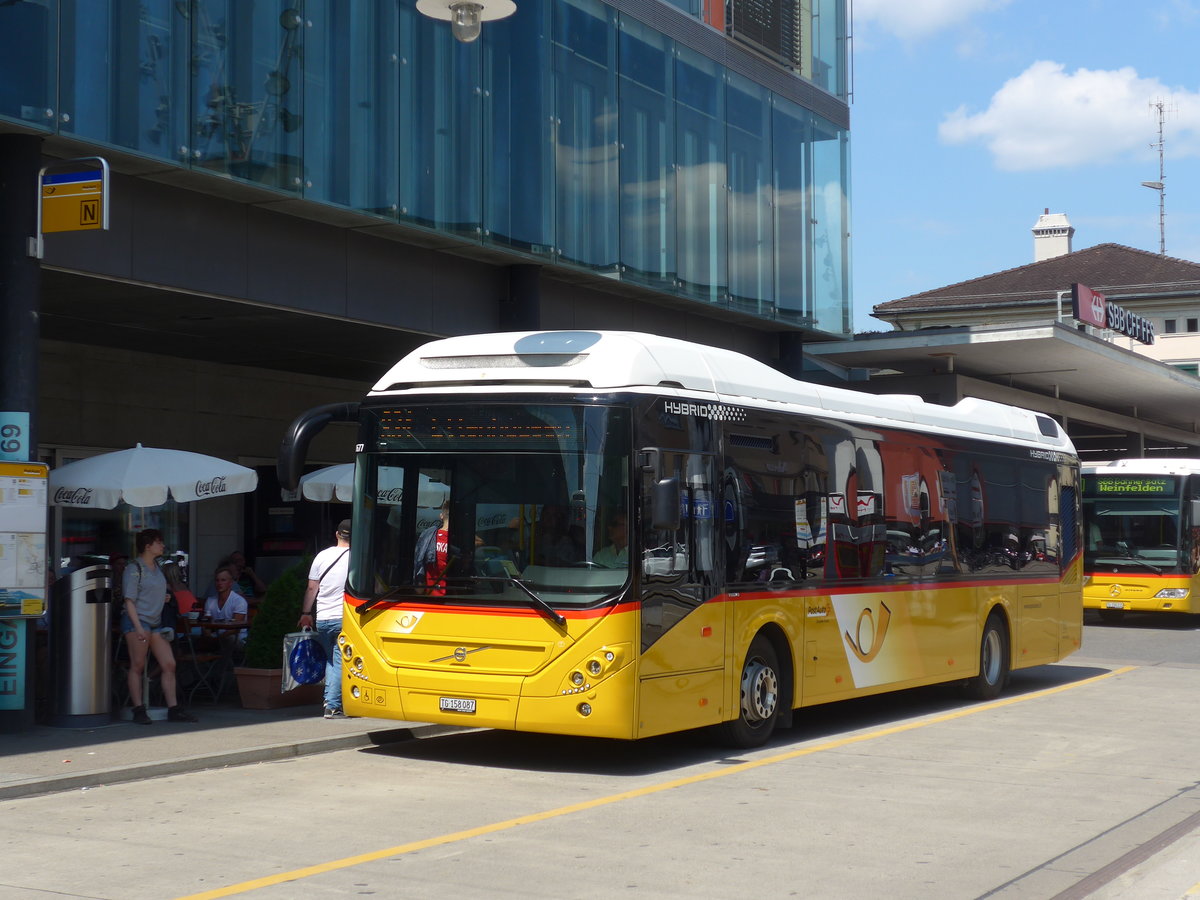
(179, 714)
(331, 713)
(140, 717)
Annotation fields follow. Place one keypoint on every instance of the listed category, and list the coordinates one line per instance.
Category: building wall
(627, 140)
(97, 398)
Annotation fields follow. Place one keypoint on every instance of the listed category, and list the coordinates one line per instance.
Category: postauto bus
(623, 535)
(1141, 536)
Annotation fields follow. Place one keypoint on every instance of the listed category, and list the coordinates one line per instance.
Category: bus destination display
(1140, 485)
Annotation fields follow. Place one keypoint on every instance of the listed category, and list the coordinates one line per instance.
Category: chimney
(1051, 236)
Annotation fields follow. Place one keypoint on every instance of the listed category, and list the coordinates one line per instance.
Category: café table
(212, 669)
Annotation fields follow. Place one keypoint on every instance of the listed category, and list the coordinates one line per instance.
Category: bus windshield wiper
(1141, 562)
(386, 595)
(535, 601)
(1127, 557)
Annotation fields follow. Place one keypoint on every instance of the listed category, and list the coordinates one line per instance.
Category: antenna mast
(1160, 107)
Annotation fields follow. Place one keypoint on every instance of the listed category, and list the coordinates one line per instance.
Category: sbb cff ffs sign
(1093, 308)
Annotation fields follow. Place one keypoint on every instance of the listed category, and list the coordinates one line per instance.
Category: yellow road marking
(413, 846)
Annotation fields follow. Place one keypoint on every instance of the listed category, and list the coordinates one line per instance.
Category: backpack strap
(331, 565)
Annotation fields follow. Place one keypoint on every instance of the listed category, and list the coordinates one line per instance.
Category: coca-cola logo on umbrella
(72, 497)
(210, 488)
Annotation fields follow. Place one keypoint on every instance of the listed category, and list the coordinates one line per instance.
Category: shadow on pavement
(556, 753)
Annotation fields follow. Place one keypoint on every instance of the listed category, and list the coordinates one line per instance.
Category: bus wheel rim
(990, 665)
(760, 691)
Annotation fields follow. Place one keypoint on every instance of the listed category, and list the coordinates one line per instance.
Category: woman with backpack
(144, 587)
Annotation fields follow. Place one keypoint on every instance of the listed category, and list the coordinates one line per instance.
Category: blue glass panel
(647, 155)
(123, 79)
(830, 237)
(519, 105)
(440, 143)
(586, 136)
(829, 45)
(247, 87)
(791, 140)
(27, 61)
(351, 117)
(700, 169)
(751, 228)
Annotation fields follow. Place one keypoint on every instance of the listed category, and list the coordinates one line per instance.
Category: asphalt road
(1080, 781)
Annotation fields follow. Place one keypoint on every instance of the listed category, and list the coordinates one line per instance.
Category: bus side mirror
(664, 505)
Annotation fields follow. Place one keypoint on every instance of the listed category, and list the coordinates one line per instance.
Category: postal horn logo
(866, 630)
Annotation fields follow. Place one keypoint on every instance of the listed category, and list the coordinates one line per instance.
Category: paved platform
(47, 759)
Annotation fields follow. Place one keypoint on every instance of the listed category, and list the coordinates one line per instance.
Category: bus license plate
(1114, 604)
(456, 704)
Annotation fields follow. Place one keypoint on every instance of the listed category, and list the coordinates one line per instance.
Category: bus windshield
(1134, 533)
(521, 503)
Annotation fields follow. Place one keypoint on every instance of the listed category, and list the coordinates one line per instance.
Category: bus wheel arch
(995, 658)
(765, 690)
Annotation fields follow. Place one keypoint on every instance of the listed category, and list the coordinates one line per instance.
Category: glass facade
(570, 133)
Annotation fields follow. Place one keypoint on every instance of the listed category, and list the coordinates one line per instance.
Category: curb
(30, 787)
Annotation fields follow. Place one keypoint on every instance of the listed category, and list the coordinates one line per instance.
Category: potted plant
(261, 676)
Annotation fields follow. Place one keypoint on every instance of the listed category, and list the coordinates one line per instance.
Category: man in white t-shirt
(323, 606)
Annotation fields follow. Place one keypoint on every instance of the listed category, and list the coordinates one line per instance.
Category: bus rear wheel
(993, 661)
(758, 706)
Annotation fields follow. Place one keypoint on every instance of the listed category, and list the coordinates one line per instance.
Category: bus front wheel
(758, 706)
(993, 661)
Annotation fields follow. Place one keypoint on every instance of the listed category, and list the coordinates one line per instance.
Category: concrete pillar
(791, 354)
(20, 288)
(522, 310)
(20, 296)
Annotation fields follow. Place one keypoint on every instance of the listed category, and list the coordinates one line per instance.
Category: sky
(969, 118)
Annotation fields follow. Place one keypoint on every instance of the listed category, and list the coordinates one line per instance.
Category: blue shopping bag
(303, 660)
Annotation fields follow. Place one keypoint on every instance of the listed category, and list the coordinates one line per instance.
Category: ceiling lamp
(466, 17)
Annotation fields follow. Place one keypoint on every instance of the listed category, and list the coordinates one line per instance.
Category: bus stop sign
(73, 196)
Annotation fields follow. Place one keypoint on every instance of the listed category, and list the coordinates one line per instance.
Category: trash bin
(80, 655)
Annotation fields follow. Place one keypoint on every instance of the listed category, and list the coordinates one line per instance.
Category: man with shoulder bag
(323, 606)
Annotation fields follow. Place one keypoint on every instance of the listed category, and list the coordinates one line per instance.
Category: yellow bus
(1141, 548)
(622, 535)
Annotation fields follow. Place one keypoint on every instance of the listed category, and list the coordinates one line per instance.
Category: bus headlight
(585, 709)
(1171, 594)
(577, 678)
(594, 668)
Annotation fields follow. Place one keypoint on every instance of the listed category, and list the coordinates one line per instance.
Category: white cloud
(914, 19)
(1046, 118)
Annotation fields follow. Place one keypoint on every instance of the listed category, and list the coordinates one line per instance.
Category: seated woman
(225, 604)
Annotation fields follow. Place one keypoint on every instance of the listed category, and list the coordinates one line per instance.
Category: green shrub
(277, 615)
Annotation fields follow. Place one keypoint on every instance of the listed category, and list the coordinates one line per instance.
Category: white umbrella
(338, 481)
(144, 476)
(324, 484)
